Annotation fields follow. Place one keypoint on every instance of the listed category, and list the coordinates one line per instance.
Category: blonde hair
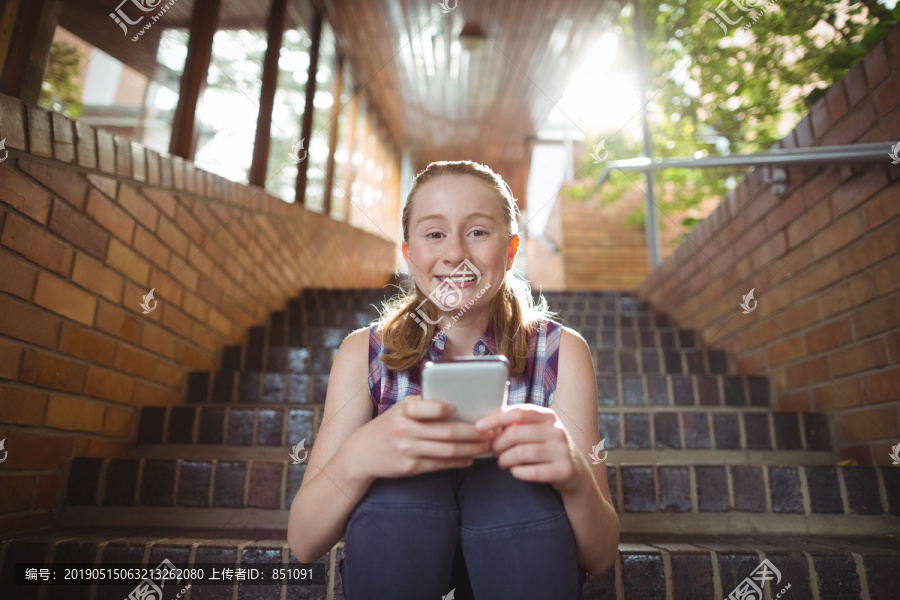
(513, 314)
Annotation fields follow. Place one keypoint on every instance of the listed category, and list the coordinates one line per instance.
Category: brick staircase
(707, 478)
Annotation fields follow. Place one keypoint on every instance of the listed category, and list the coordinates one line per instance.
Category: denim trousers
(477, 531)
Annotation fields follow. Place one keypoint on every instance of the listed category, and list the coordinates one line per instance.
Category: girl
(421, 516)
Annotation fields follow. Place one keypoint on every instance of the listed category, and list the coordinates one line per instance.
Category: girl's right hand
(416, 436)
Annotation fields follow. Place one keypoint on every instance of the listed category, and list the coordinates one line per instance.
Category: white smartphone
(475, 385)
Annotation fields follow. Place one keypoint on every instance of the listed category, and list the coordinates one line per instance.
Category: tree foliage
(58, 91)
(713, 93)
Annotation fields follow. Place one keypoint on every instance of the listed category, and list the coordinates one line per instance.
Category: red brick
(820, 119)
(877, 317)
(871, 248)
(12, 122)
(887, 96)
(892, 341)
(117, 322)
(16, 276)
(152, 167)
(86, 344)
(837, 101)
(119, 421)
(882, 208)
(804, 134)
(185, 274)
(138, 162)
(825, 337)
(9, 360)
(841, 232)
(123, 157)
(866, 185)
(172, 236)
(178, 172)
(769, 251)
(869, 424)
(800, 401)
(21, 405)
(189, 225)
(27, 323)
(108, 186)
(74, 227)
(141, 209)
(74, 414)
(158, 340)
(876, 64)
(46, 493)
(36, 450)
(87, 145)
(17, 492)
(96, 277)
(20, 523)
(820, 186)
(64, 299)
(149, 247)
(883, 386)
(51, 371)
(36, 245)
(855, 82)
(40, 132)
(68, 185)
(108, 385)
(887, 276)
(63, 138)
(106, 151)
(861, 357)
(835, 396)
(127, 262)
(201, 260)
(893, 42)
(852, 128)
(24, 196)
(135, 362)
(819, 276)
(109, 216)
(847, 295)
(806, 372)
(107, 449)
(785, 350)
(798, 316)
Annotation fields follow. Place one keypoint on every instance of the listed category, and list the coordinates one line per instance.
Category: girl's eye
(482, 231)
(428, 235)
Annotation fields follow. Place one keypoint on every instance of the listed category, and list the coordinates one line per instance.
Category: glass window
(87, 84)
(340, 184)
(227, 112)
(323, 103)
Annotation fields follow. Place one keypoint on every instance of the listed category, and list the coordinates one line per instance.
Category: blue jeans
(477, 530)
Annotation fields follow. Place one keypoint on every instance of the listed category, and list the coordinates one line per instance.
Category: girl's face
(456, 218)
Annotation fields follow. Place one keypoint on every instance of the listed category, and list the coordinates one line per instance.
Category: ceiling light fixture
(472, 37)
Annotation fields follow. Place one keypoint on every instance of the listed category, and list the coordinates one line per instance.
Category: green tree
(716, 94)
(58, 92)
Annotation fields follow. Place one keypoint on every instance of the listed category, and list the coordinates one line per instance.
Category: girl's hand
(416, 436)
(534, 445)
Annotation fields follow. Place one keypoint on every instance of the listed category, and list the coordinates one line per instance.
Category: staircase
(707, 478)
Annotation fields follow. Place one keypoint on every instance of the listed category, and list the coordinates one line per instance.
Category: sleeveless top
(535, 385)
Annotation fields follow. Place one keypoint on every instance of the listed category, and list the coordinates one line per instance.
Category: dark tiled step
(199, 484)
(768, 489)
(631, 389)
(247, 386)
(183, 547)
(655, 360)
(715, 429)
(235, 426)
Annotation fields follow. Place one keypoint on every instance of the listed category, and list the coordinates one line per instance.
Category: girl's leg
(401, 539)
(516, 537)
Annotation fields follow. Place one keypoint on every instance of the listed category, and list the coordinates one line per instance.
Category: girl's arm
(587, 500)
(331, 487)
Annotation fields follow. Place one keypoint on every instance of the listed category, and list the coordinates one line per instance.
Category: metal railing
(780, 159)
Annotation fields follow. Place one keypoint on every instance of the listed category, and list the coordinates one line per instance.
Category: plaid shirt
(535, 386)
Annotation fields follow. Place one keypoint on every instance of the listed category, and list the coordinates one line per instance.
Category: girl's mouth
(460, 281)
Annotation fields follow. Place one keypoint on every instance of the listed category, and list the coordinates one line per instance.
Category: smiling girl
(395, 474)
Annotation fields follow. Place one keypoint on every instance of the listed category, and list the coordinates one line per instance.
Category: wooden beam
(204, 23)
(333, 130)
(26, 38)
(262, 146)
(351, 148)
(315, 36)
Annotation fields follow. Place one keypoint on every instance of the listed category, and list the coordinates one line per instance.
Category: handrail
(873, 152)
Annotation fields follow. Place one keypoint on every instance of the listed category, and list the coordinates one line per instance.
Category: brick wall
(89, 223)
(824, 260)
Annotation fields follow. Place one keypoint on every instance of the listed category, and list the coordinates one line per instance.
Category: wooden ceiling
(443, 103)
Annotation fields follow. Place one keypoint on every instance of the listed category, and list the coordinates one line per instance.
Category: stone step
(648, 567)
(650, 498)
(679, 428)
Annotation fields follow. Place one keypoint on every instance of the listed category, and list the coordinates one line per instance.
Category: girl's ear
(513, 248)
(405, 248)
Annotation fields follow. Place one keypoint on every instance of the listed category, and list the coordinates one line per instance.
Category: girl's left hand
(533, 444)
